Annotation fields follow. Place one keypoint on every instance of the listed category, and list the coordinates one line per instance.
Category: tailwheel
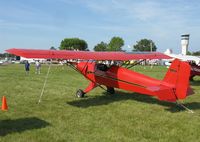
(111, 90)
(80, 93)
(192, 78)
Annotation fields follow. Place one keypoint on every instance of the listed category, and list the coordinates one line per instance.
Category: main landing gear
(80, 94)
(110, 90)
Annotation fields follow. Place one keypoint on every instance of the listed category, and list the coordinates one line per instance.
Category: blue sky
(41, 24)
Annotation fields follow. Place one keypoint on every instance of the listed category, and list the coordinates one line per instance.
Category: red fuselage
(119, 77)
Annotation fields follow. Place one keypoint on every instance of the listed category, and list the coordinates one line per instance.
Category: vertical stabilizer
(178, 76)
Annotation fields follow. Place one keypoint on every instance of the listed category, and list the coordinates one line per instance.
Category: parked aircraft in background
(194, 62)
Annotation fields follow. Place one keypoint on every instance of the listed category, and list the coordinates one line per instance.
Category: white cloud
(140, 10)
(20, 26)
(132, 19)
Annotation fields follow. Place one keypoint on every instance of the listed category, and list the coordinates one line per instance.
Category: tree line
(196, 53)
(115, 44)
(6, 55)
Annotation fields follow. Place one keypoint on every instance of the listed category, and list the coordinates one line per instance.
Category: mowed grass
(123, 117)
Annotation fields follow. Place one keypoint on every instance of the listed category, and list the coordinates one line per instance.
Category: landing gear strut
(80, 93)
(111, 90)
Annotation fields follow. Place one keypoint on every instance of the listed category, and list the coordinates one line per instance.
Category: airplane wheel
(80, 93)
(192, 78)
(111, 90)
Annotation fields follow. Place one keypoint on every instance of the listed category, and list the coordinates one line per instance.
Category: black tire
(192, 78)
(111, 90)
(80, 94)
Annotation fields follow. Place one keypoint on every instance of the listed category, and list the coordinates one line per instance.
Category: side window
(101, 67)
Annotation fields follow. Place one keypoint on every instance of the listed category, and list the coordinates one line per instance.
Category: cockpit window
(102, 67)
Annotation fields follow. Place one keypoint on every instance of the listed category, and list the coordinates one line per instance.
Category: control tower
(184, 43)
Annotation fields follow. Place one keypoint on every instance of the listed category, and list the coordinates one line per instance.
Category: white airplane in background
(186, 58)
(194, 62)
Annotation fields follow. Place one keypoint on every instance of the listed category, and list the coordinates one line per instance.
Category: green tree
(73, 44)
(197, 53)
(4, 55)
(101, 46)
(116, 44)
(188, 53)
(52, 48)
(145, 45)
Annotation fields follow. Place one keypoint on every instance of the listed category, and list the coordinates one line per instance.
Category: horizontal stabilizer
(153, 88)
(163, 93)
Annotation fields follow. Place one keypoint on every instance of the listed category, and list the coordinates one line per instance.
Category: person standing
(37, 67)
(27, 67)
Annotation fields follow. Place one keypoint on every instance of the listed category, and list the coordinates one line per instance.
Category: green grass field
(60, 116)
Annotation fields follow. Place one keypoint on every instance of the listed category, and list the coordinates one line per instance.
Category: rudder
(178, 76)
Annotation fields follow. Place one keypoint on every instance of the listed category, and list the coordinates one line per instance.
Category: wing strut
(128, 66)
(45, 81)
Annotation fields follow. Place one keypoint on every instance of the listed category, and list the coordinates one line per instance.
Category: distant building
(184, 43)
(168, 51)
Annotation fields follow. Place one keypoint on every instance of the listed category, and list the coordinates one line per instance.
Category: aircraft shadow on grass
(19, 125)
(120, 96)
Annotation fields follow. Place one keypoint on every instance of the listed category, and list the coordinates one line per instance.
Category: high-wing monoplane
(173, 87)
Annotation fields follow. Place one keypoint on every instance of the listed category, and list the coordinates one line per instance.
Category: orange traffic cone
(4, 106)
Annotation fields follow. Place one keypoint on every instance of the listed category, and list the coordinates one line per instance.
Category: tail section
(178, 78)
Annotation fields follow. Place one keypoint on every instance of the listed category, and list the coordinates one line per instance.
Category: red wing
(85, 55)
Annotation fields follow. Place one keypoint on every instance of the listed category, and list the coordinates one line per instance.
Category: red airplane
(173, 87)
